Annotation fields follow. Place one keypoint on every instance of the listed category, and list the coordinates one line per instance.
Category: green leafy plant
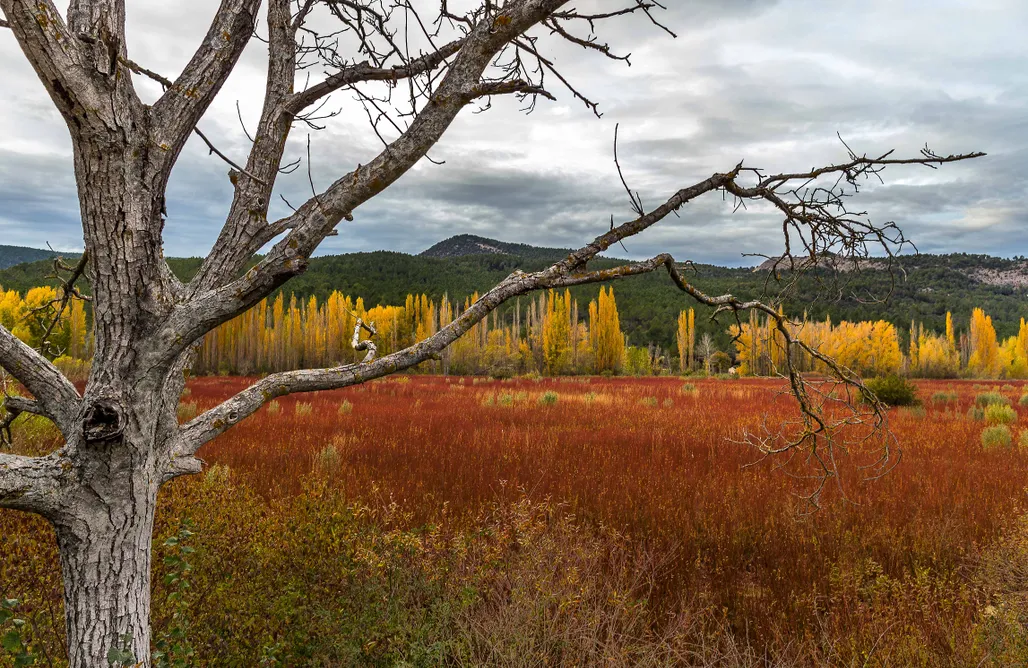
(11, 639)
(120, 654)
(173, 649)
(548, 398)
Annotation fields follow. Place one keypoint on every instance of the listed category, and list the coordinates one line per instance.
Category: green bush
(1000, 414)
(996, 437)
(989, 398)
(548, 398)
(945, 397)
(976, 413)
(1024, 399)
(893, 391)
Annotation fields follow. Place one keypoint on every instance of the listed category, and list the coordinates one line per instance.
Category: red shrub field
(577, 521)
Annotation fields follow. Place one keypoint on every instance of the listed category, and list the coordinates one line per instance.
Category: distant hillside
(923, 287)
(469, 244)
(12, 255)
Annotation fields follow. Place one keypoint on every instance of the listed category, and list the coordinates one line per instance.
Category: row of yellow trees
(873, 348)
(29, 317)
(545, 334)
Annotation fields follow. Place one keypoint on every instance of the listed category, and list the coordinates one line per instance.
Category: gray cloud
(768, 82)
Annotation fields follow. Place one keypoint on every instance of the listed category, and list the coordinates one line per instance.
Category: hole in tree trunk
(102, 422)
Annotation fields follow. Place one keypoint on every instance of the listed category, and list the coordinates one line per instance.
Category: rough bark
(105, 550)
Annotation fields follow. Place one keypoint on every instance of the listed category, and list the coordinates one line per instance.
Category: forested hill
(469, 244)
(923, 287)
(12, 255)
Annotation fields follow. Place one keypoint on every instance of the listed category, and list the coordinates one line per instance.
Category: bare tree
(414, 73)
(706, 349)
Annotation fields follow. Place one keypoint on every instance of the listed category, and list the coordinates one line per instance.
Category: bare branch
(64, 64)
(180, 108)
(31, 484)
(366, 72)
(366, 344)
(52, 390)
(66, 293)
(245, 229)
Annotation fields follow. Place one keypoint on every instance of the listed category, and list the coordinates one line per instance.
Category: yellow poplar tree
(984, 361)
(607, 340)
(557, 333)
(686, 339)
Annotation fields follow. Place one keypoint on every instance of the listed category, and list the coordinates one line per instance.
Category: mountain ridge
(922, 288)
(11, 256)
(462, 245)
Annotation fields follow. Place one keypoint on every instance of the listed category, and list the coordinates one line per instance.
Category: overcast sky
(766, 82)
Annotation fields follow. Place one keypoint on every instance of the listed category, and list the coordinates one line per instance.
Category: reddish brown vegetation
(892, 567)
(665, 474)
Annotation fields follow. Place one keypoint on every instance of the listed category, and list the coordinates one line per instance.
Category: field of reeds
(576, 521)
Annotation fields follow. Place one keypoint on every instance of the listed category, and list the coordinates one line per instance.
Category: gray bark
(122, 438)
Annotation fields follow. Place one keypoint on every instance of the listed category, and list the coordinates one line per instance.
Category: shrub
(649, 401)
(689, 388)
(1000, 414)
(303, 409)
(1024, 399)
(893, 391)
(274, 407)
(548, 398)
(989, 398)
(345, 408)
(945, 397)
(976, 413)
(996, 437)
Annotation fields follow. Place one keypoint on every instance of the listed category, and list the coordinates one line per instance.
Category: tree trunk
(105, 550)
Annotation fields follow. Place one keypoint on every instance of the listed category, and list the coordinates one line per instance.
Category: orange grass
(891, 567)
(666, 474)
